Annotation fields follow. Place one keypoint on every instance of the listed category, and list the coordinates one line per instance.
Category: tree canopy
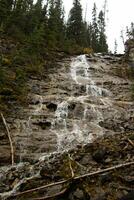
(44, 25)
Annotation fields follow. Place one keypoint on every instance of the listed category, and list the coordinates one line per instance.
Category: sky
(120, 14)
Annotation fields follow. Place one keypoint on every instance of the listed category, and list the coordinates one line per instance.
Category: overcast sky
(120, 14)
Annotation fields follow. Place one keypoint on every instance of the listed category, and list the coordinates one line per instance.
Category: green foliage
(42, 27)
(98, 40)
(56, 27)
(102, 40)
(95, 30)
(39, 32)
(75, 23)
(71, 48)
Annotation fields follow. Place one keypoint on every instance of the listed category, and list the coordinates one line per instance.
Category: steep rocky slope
(85, 107)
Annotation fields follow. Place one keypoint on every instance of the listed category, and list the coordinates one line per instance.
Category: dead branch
(64, 190)
(53, 196)
(70, 165)
(41, 187)
(130, 141)
(105, 170)
(9, 137)
(75, 178)
(77, 163)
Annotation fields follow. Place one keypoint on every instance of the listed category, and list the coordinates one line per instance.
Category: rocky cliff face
(83, 111)
(79, 101)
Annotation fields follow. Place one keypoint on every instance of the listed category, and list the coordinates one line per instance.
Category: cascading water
(84, 128)
(72, 109)
(70, 125)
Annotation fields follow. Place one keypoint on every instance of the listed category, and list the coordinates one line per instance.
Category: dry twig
(75, 178)
(52, 196)
(130, 141)
(9, 137)
(70, 165)
(64, 190)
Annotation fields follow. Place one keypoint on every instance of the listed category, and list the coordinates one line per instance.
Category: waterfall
(76, 117)
(87, 125)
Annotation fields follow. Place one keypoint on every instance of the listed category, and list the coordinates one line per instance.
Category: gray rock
(51, 106)
(79, 194)
(129, 196)
(99, 155)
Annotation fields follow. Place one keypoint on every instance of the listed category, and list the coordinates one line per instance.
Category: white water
(79, 128)
(82, 130)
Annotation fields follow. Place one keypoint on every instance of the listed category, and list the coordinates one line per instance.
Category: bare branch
(9, 137)
(70, 165)
(41, 187)
(76, 178)
(130, 141)
(50, 197)
(105, 170)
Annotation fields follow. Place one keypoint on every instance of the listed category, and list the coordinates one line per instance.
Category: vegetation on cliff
(33, 34)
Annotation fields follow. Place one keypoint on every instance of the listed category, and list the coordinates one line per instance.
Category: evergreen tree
(102, 43)
(17, 22)
(30, 21)
(95, 30)
(115, 47)
(56, 23)
(130, 31)
(85, 34)
(34, 17)
(89, 35)
(75, 23)
(5, 9)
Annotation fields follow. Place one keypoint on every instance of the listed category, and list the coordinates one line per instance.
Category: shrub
(88, 51)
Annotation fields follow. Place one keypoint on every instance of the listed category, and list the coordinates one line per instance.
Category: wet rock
(5, 157)
(53, 190)
(101, 197)
(2, 136)
(43, 125)
(92, 59)
(6, 92)
(128, 179)
(72, 106)
(78, 111)
(129, 196)
(46, 172)
(86, 159)
(49, 172)
(99, 155)
(51, 106)
(105, 178)
(78, 194)
(34, 102)
(35, 89)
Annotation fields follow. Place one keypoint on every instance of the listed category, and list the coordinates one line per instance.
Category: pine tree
(5, 9)
(85, 35)
(115, 46)
(89, 35)
(34, 17)
(130, 31)
(95, 30)
(75, 23)
(17, 22)
(102, 45)
(56, 23)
